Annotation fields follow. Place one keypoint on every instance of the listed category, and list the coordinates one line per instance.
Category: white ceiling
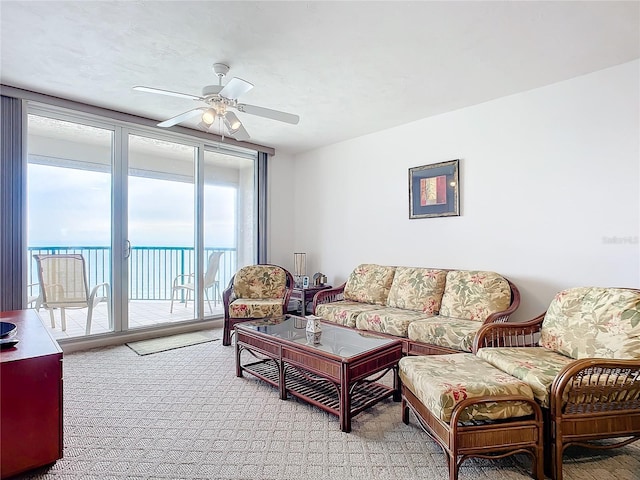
(347, 68)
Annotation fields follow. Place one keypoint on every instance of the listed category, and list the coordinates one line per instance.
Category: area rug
(156, 345)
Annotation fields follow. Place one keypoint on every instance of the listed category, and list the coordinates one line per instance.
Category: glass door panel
(230, 221)
(161, 231)
(69, 213)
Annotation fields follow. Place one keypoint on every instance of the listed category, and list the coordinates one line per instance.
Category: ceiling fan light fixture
(218, 100)
(232, 121)
(209, 116)
(203, 126)
(228, 125)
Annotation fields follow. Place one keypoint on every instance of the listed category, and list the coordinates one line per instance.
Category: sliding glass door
(229, 221)
(69, 213)
(162, 220)
(161, 231)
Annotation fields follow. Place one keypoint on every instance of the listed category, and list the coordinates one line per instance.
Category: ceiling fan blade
(241, 134)
(165, 92)
(179, 118)
(268, 113)
(234, 88)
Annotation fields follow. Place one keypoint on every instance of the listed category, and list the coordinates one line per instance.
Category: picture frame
(434, 190)
(305, 282)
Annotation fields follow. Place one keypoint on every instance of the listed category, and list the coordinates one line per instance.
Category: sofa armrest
(228, 296)
(596, 385)
(329, 295)
(521, 334)
(459, 409)
(501, 317)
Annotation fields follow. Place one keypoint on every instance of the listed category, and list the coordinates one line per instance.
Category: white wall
(549, 179)
(280, 211)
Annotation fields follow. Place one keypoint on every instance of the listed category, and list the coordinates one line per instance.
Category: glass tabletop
(340, 341)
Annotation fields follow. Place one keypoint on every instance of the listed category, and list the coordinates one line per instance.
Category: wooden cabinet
(30, 397)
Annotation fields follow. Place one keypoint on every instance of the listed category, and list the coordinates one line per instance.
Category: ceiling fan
(220, 99)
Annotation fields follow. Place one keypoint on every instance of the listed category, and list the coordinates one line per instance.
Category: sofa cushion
(447, 332)
(255, 308)
(474, 295)
(343, 312)
(418, 289)
(590, 322)
(536, 366)
(260, 281)
(393, 321)
(369, 283)
(440, 382)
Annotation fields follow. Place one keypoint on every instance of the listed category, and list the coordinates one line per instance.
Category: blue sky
(70, 207)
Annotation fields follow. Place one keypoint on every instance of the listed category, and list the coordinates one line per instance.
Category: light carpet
(157, 345)
(185, 415)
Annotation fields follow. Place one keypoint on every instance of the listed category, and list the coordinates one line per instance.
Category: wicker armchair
(256, 291)
(582, 360)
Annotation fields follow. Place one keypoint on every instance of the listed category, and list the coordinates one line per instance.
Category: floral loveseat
(582, 361)
(435, 311)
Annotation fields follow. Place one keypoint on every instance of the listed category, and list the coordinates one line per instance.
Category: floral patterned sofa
(581, 358)
(435, 311)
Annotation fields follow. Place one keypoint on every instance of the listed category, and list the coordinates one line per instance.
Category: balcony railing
(151, 269)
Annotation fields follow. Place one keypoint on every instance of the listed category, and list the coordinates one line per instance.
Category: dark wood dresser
(30, 397)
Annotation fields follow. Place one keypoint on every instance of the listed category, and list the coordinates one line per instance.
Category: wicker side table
(304, 296)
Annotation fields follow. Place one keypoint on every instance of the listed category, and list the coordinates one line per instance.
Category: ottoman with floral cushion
(255, 291)
(581, 358)
(436, 311)
(472, 409)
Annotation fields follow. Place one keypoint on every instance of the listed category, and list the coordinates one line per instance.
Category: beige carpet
(156, 345)
(185, 415)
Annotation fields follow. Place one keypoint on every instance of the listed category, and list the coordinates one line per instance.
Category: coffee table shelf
(320, 390)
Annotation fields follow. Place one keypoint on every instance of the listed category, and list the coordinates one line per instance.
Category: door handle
(127, 249)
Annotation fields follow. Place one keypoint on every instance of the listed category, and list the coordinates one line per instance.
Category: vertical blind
(13, 217)
(262, 206)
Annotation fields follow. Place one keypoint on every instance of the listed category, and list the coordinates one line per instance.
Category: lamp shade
(300, 264)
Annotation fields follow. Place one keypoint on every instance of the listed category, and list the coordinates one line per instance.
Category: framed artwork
(433, 190)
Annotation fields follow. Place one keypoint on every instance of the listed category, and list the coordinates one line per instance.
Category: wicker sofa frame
(411, 347)
(590, 399)
(491, 440)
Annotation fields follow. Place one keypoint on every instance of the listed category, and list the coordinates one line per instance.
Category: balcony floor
(142, 313)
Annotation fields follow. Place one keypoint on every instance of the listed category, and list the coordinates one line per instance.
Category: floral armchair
(256, 291)
(582, 361)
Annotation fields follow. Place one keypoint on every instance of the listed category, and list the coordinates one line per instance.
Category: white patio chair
(63, 284)
(34, 300)
(186, 282)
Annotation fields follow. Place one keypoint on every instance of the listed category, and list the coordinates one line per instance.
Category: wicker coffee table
(339, 375)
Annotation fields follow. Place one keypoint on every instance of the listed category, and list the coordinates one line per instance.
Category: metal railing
(151, 269)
